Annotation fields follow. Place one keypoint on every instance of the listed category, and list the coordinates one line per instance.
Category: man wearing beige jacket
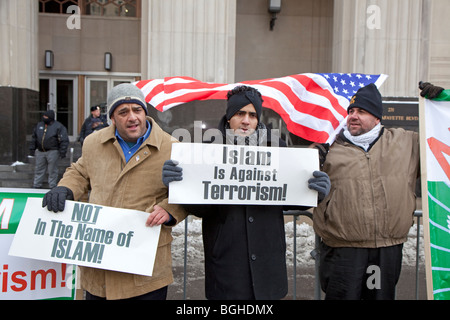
(121, 165)
(366, 217)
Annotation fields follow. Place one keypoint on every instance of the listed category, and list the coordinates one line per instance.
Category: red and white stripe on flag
(306, 102)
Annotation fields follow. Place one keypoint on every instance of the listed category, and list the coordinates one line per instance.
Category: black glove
(55, 199)
(429, 91)
(32, 152)
(62, 155)
(171, 172)
(321, 183)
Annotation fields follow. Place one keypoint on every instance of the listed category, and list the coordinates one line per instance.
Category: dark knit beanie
(125, 93)
(50, 114)
(369, 99)
(236, 101)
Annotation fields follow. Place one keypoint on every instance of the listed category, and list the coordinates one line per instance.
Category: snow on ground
(17, 163)
(305, 244)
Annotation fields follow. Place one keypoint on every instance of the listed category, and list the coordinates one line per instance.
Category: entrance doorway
(97, 89)
(58, 94)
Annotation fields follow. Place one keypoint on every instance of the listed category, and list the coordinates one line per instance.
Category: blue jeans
(46, 160)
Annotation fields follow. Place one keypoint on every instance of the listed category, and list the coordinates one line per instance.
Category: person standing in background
(92, 123)
(49, 142)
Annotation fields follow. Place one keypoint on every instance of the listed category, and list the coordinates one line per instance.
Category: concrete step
(22, 175)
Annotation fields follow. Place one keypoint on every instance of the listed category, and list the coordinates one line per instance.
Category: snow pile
(17, 163)
(306, 239)
(194, 247)
(305, 244)
(409, 247)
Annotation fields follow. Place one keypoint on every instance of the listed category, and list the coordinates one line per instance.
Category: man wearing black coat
(94, 122)
(49, 142)
(244, 245)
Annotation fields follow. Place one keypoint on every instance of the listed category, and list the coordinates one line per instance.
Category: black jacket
(245, 250)
(50, 137)
(87, 127)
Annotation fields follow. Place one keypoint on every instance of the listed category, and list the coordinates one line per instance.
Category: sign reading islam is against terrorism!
(224, 174)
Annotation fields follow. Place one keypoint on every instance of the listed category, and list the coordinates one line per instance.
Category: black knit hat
(241, 96)
(369, 99)
(50, 114)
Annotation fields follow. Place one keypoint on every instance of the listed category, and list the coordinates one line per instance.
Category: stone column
(19, 75)
(439, 43)
(380, 36)
(193, 38)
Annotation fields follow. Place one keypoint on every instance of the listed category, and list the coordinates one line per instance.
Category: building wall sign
(404, 114)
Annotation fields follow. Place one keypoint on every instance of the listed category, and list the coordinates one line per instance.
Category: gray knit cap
(125, 93)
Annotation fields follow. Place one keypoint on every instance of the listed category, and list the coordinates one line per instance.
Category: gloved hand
(321, 183)
(429, 91)
(55, 199)
(171, 172)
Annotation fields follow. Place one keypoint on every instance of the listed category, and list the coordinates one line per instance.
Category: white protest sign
(234, 174)
(87, 235)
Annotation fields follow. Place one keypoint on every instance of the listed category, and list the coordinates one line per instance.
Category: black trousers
(160, 294)
(360, 273)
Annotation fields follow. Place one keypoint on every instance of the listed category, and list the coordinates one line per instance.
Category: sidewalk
(305, 284)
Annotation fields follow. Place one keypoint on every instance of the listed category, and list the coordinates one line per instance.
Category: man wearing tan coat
(121, 165)
(366, 217)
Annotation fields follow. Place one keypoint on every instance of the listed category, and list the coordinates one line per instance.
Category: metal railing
(314, 253)
(418, 215)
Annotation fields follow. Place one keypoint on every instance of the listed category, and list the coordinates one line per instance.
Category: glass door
(64, 104)
(97, 92)
(59, 95)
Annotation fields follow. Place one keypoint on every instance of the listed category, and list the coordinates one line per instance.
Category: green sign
(28, 279)
(435, 155)
(439, 219)
(11, 209)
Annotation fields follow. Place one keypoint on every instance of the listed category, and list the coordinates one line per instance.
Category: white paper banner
(87, 235)
(438, 137)
(227, 174)
(26, 279)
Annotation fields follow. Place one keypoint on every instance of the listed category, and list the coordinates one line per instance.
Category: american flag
(313, 105)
